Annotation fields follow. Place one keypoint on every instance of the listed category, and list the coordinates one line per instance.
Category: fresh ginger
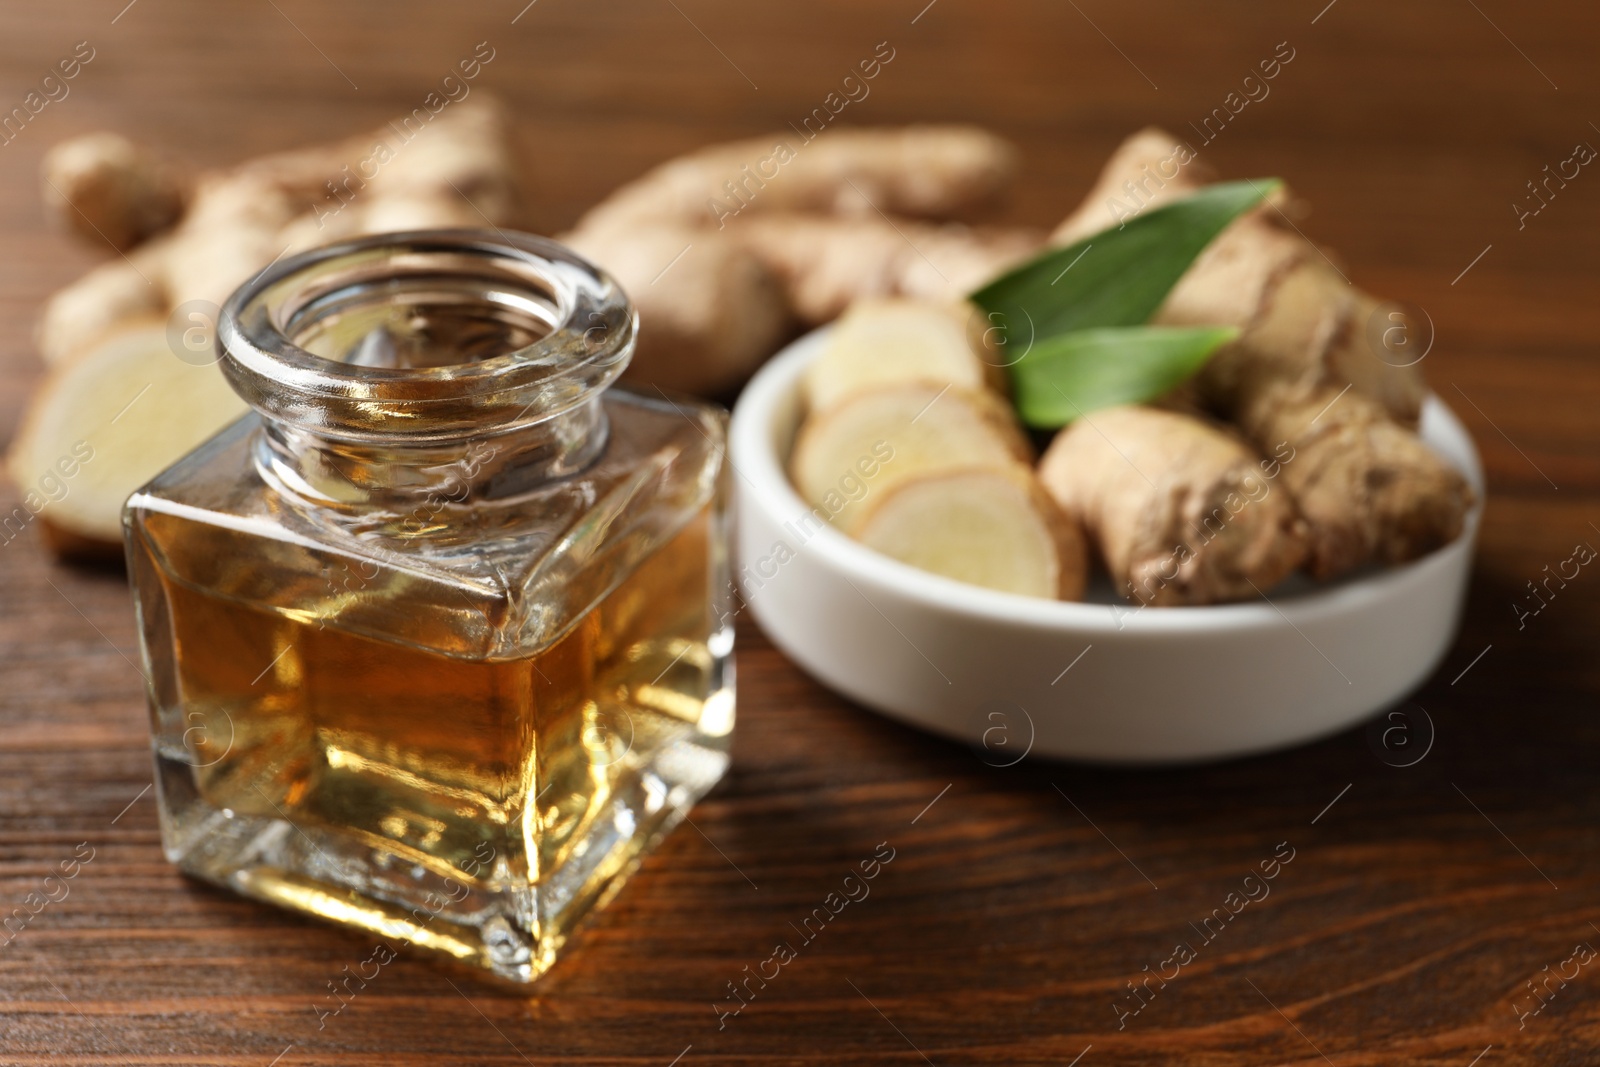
(457, 171)
(127, 407)
(894, 340)
(926, 427)
(727, 250)
(825, 264)
(915, 386)
(1180, 511)
(988, 526)
(1369, 489)
(935, 172)
(104, 187)
(709, 310)
(140, 321)
(1301, 315)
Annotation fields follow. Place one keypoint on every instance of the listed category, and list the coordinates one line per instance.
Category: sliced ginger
(117, 415)
(886, 341)
(911, 448)
(907, 430)
(988, 526)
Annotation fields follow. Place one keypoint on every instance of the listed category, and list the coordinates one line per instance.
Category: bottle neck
(403, 374)
(420, 480)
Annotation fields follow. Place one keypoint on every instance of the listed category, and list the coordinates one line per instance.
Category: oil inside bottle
(395, 769)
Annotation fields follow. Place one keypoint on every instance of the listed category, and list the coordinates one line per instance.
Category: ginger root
(1255, 263)
(103, 187)
(709, 309)
(825, 264)
(1180, 511)
(456, 171)
(1368, 488)
(936, 172)
(817, 220)
(119, 328)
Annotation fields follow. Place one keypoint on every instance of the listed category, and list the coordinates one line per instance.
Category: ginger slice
(992, 527)
(1180, 511)
(106, 423)
(876, 439)
(888, 341)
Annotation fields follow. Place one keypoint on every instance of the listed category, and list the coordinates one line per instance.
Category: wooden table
(1420, 899)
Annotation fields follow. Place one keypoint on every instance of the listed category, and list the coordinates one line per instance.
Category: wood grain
(1416, 907)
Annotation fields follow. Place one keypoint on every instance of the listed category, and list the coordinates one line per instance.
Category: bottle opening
(424, 312)
(428, 336)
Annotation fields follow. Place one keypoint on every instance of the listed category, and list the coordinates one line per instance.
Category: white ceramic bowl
(1087, 681)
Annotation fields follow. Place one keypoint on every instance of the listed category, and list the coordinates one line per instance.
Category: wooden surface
(1416, 907)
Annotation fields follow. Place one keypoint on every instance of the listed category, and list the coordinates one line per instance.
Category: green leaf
(1117, 277)
(1069, 374)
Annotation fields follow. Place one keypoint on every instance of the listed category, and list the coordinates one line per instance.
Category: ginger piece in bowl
(894, 340)
(1180, 511)
(879, 438)
(911, 448)
(1370, 489)
(988, 526)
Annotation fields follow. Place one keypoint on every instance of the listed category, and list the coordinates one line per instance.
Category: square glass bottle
(436, 638)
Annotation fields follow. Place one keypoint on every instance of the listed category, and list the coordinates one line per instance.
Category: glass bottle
(436, 638)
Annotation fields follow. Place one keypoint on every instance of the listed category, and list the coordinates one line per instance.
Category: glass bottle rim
(589, 332)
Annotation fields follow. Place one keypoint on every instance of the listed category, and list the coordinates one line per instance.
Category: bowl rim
(753, 455)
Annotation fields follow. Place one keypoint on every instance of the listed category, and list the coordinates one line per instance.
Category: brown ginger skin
(1321, 326)
(935, 172)
(826, 264)
(1180, 511)
(1370, 490)
(106, 189)
(834, 219)
(457, 171)
(709, 308)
